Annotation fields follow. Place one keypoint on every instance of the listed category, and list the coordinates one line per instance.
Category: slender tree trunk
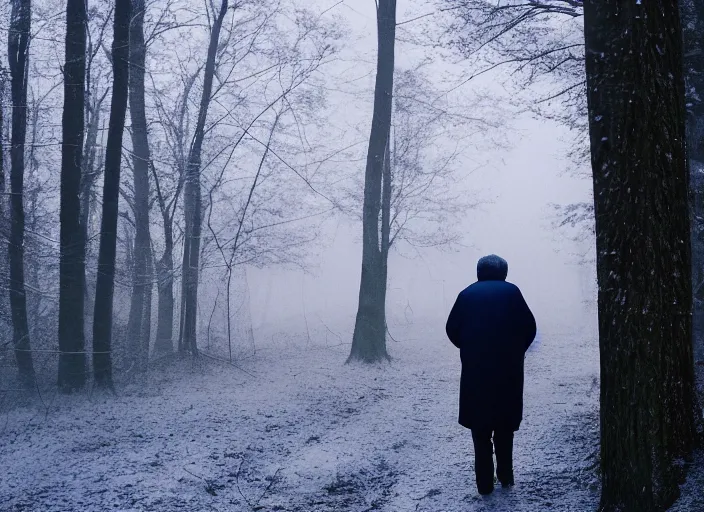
(138, 325)
(72, 360)
(146, 328)
(2, 155)
(164, 274)
(637, 128)
(386, 218)
(102, 322)
(4, 306)
(89, 175)
(18, 53)
(165, 288)
(369, 339)
(89, 171)
(192, 199)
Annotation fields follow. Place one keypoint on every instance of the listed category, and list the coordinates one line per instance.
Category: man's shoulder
(513, 287)
(481, 286)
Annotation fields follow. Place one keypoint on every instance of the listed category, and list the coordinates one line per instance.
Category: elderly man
(493, 327)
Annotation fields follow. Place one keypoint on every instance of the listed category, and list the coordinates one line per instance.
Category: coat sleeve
(526, 321)
(453, 326)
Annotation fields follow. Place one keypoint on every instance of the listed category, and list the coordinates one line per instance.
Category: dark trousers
(484, 460)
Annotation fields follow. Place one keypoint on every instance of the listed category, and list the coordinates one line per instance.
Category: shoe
(507, 480)
(485, 491)
(508, 483)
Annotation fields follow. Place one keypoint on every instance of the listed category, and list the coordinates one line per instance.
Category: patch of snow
(302, 431)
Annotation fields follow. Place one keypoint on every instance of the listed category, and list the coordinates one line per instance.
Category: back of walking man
(493, 327)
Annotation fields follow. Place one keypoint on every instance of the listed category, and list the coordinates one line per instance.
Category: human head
(492, 268)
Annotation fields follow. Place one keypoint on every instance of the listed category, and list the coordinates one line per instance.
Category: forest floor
(295, 429)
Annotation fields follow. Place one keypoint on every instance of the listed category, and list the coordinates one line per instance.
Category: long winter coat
(493, 327)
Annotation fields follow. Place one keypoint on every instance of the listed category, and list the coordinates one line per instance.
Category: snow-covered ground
(296, 429)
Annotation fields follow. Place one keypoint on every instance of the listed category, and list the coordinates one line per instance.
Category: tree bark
(2, 155)
(164, 343)
(369, 339)
(693, 26)
(18, 55)
(139, 322)
(89, 175)
(102, 322)
(72, 360)
(192, 200)
(165, 274)
(635, 90)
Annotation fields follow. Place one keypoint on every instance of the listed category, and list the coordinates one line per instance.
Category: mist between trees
(200, 140)
(230, 159)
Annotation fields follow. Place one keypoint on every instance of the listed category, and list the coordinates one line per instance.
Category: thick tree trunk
(637, 130)
(72, 360)
(138, 325)
(102, 321)
(18, 54)
(192, 200)
(369, 339)
(693, 28)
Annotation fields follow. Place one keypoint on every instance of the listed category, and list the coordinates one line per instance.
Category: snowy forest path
(302, 431)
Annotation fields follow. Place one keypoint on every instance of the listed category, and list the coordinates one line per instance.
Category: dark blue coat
(493, 327)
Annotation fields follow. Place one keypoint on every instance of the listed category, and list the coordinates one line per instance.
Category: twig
(237, 482)
(271, 482)
(221, 360)
(209, 488)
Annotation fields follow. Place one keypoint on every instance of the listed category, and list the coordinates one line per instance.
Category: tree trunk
(18, 55)
(693, 27)
(386, 218)
(164, 274)
(2, 154)
(192, 200)
(72, 360)
(637, 128)
(138, 325)
(369, 339)
(102, 321)
(165, 286)
(89, 175)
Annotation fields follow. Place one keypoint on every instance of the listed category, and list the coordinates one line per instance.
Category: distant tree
(139, 322)
(2, 149)
(96, 91)
(428, 134)
(192, 196)
(173, 123)
(102, 322)
(369, 338)
(72, 360)
(4, 307)
(18, 54)
(636, 97)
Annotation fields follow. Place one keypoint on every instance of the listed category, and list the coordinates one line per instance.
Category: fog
(517, 225)
(516, 180)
